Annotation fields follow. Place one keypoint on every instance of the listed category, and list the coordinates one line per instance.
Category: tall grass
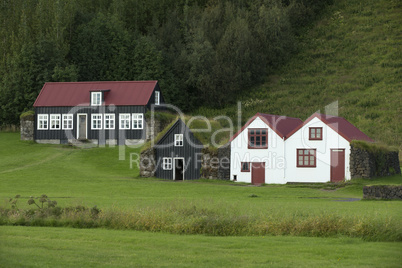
(190, 219)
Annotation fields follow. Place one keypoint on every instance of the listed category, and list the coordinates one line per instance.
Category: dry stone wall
(224, 159)
(147, 163)
(365, 164)
(215, 164)
(27, 128)
(382, 192)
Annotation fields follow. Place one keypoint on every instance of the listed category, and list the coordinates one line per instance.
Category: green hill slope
(353, 56)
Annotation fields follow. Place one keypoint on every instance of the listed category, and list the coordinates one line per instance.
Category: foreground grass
(66, 247)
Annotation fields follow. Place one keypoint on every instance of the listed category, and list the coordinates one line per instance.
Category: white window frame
(178, 139)
(124, 121)
(96, 98)
(55, 118)
(98, 119)
(67, 121)
(110, 118)
(43, 121)
(167, 163)
(137, 121)
(157, 98)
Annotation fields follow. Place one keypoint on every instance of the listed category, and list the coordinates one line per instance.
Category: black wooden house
(178, 154)
(101, 112)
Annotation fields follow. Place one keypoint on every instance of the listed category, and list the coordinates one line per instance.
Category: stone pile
(147, 163)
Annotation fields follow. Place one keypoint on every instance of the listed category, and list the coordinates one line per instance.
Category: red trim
(255, 136)
(315, 134)
(245, 170)
(308, 157)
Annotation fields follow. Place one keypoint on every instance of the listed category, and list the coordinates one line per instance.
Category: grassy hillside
(353, 55)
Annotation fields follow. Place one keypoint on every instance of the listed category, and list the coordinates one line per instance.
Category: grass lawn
(96, 176)
(55, 247)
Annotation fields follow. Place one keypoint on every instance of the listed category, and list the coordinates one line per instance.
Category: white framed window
(96, 121)
(124, 120)
(178, 139)
(42, 121)
(157, 97)
(109, 121)
(96, 98)
(55, 121)
(137, 121)
(67, 121)
(167, 163)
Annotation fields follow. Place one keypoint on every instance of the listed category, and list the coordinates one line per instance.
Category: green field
(65, 247)
(311, 221)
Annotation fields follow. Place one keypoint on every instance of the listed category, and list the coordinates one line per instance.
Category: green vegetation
(203, 52)
(374, 147)
(80, 179)
(59, 247)
(351, 55)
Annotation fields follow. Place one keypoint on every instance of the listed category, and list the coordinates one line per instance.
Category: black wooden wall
(63, 135)
(190, 151)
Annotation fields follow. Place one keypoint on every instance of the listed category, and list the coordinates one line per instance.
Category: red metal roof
(286, 126)
(340, 125)
(282, 125)
(78, 93)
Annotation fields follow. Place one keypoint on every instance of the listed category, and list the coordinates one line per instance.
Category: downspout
(284, 156)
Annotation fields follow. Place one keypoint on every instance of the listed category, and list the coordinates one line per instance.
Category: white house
(279, 149)
(258, 149)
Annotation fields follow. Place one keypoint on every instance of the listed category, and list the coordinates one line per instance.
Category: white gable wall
(273, 157)
(322, 171)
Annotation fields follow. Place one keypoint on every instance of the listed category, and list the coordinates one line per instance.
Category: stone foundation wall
(365, 164)
(382, 192)
(147, 163)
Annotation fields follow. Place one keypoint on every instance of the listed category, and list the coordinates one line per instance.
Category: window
(109, 121)
(96, 121)
(167, 163)
(306, 158)
(67, 121)
(55, 121)
(124, 121)
(245, 166)
(42, 121)
(178, 139)
(258, 138)
(96, 98)
(137, 121)
(157, 97)
(315, 133)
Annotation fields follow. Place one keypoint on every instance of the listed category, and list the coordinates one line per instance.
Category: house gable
(281, 125)
(189, 150)
(343, 127)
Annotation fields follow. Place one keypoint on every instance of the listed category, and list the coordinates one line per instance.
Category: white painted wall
(273, 157)
(300, 140)
(280, 157)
